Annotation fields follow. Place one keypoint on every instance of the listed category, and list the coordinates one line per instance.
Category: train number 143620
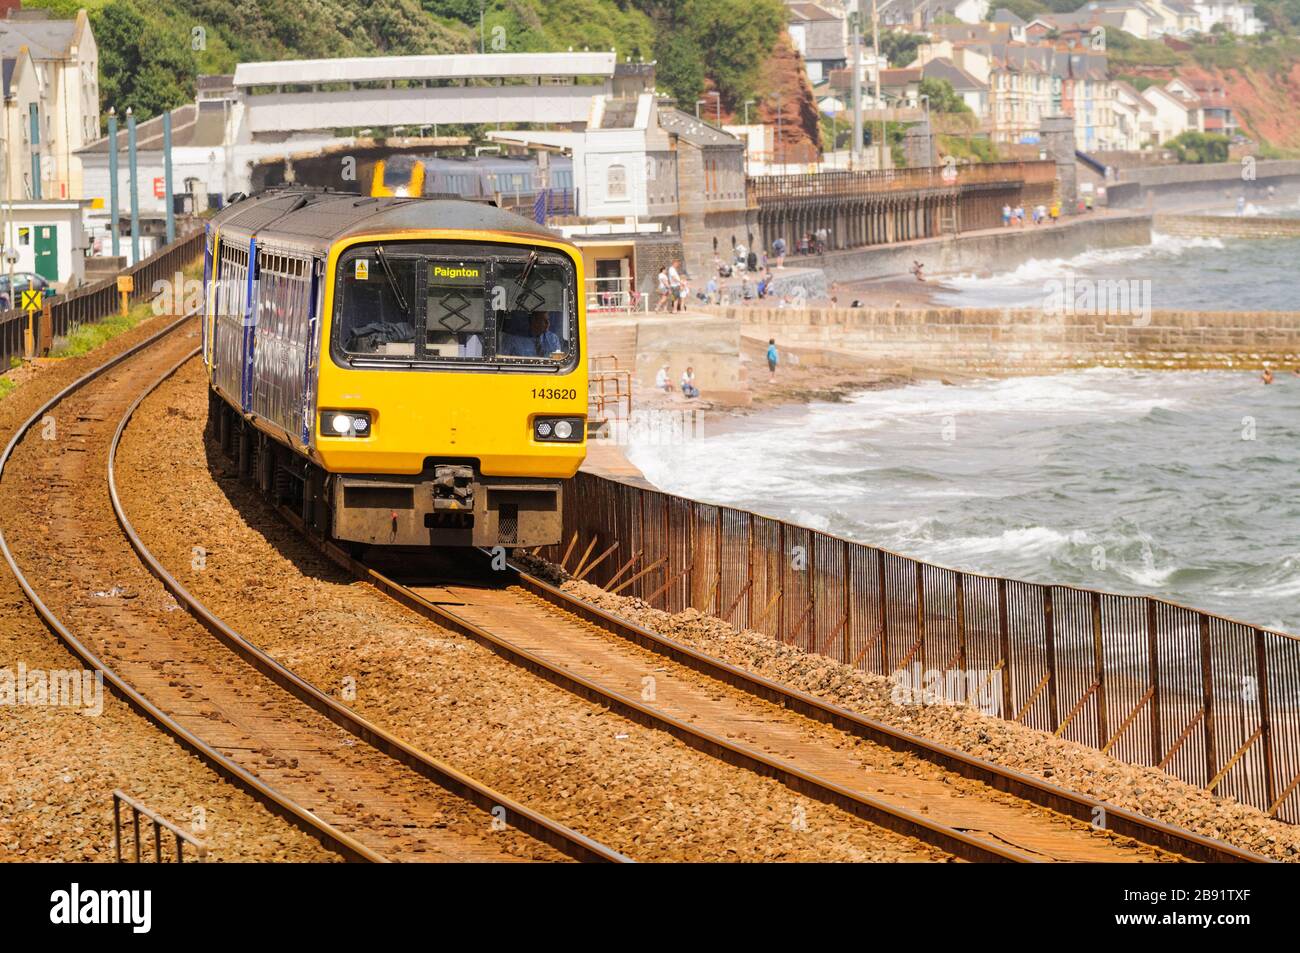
(554, 393)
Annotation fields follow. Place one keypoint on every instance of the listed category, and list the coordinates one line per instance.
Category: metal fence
(94, 302)
(1210, 700)
(777, 188)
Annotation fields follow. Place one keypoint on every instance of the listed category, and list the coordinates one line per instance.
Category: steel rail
(545, 829)
(284, 807)
(1125, 823)
(889, 816)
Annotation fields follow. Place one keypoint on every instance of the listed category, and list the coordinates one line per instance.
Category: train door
(311, 360)
(250, 329)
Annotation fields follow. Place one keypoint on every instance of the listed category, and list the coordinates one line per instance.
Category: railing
(1210, 700)
(91, 303)
(772, 188)
(606, 295)
(160, 824)
(609, 390)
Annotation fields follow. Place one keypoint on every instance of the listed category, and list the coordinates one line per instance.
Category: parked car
(22, 281)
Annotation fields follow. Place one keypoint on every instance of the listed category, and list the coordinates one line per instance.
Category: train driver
(540, 341)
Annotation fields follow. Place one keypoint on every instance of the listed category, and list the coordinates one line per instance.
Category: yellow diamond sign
(32, 299)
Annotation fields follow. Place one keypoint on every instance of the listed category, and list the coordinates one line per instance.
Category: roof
(46, 39)
(695, 131)
(957, 77)
(811, 11)
(900, 77)
(192, 125)
(367, 69)
(1006, 16)
(297, 214)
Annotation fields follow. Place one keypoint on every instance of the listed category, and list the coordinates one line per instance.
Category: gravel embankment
(58, 767)
(1143, 790)
(633, 788)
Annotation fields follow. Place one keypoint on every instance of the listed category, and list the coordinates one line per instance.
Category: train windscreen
(503, 306)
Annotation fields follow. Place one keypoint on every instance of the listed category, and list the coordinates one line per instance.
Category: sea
(1184, 485)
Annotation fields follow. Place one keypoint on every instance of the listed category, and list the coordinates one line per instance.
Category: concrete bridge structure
(412, 91)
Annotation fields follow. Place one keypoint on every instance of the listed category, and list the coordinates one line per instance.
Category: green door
(47, 252)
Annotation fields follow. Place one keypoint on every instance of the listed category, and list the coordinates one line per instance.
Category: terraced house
(64, 61)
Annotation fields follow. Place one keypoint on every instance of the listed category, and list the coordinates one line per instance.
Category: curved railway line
(296, 748)
(282, 740)
(970, 808)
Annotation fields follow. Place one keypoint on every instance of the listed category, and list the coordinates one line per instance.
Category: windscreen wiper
(392, 280)
(523, 277)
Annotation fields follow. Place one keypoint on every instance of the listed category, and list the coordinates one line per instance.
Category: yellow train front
(411, 372)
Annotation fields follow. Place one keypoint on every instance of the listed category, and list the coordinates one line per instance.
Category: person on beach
(778, 249)
(1006, 215)
(662, 381)
(772, 358)
(665, 293)
(1055, 211)
(711, 291)
(1268, 375)
(675, 285)
(918, 270)
(689, 390)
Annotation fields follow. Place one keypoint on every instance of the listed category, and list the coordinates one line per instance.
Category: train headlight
(345, 423)
(559, 429)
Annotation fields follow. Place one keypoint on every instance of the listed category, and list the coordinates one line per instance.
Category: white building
(1173, 116)
(67, 64)
(49, 238)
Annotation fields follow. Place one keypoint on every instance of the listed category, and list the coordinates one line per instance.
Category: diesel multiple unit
(411, 371)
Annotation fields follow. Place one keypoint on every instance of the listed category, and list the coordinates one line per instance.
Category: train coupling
(453, 488)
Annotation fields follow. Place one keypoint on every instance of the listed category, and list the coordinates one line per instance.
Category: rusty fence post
(959, 592)
(1099, 669)
(1004, 642)
(717, 559)
(1049, 632)
(1153, 667)
(1265, 715)
(846, 652)
(1207, 695)
(920, 611)
(884, 615)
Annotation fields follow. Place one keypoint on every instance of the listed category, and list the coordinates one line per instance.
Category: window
(616, 182)
(481, 304)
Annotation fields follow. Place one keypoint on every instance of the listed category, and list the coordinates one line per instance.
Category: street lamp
(482, 46)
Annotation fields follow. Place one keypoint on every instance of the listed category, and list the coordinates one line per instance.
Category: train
(469, 177)
(407, 372)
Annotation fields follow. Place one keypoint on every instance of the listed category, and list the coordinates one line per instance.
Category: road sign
(32, 299)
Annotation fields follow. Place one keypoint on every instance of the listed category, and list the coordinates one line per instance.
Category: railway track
(914, 787)
(359, 789)
(971, 808)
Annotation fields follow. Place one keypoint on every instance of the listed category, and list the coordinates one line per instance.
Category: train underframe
(450, 503)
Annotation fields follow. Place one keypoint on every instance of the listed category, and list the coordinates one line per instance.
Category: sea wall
(1027, 341)
(1185, 186)
(1227, 226)
(1001, 250)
